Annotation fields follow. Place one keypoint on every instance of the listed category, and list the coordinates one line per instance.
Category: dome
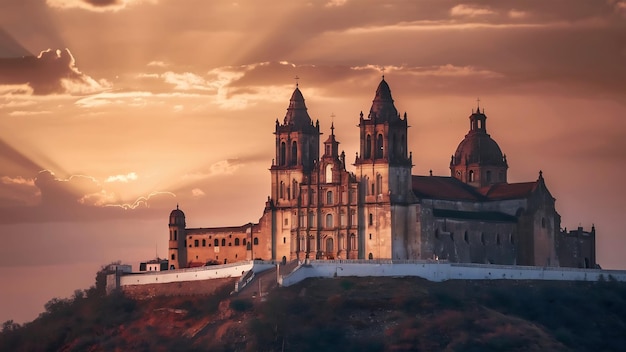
(177, 213)
(177, 216)
(479, 148)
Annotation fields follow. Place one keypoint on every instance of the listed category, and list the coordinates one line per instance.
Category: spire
(382, 106)
(297, 112)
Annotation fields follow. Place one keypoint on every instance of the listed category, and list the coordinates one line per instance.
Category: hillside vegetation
(341, 314)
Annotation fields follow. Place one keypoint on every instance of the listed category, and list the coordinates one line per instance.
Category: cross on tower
(296, 78)
(383, 71)
(332, 123)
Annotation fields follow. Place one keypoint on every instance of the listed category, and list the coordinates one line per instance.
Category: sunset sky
(112, 112)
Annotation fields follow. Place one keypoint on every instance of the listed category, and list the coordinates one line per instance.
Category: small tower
(177, 253)
(478, 160)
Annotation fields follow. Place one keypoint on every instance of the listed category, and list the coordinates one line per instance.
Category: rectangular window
(302, 220)
(195, 243)
(342, 219)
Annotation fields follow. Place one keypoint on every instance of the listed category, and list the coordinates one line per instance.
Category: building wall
(576, 248)
(219, 247)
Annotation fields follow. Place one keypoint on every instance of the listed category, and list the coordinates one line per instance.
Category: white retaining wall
(435, 271)
(194, 274)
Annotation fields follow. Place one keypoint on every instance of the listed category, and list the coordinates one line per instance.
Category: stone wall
(434, 271)
(201, 287)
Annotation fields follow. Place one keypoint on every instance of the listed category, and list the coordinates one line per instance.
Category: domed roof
(478, 146)
(382, 105)
(177, 213)
(297, 112)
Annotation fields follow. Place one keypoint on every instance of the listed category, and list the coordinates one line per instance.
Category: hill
(342, 314)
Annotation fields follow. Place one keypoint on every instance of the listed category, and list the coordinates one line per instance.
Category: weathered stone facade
(318, 209)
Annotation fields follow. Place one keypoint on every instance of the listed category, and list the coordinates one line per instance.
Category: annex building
(319, 210)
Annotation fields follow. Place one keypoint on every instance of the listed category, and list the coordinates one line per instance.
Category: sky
(112, 112)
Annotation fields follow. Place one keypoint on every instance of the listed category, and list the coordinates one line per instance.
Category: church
(319, 210)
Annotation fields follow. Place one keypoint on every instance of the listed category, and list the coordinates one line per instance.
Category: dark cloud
(52, 72)
(9, 47)
(48, 198)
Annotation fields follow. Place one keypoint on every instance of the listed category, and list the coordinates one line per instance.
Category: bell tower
(384, 172)
(383, 163)
(297, 151)
(177, 249)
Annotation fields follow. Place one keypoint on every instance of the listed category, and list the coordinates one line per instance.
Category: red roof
(450, 188)
(440, 187)
(508, 190)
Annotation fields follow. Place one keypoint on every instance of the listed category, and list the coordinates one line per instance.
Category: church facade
(319, 210)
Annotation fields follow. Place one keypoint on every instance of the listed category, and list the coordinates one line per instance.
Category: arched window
(311, 219)
(368, 147)
(370, 256)
(224, 242)
(379, 184)
(352, 242)
(311, 244)
(284, 240)
(173, 256)
(379, 146)
(329, 173)
(329, 244)
(256, 241)
(216, 242)
(195, 243)
(352, 217)
(243, 242)
(371, 219)
(294, 153)
(466, 237)
(329, 221)
(282, 160)
(329, 197)
(175, 235)
(203, 243)
(295, 189)
(471, 176)
(236, 241)
(341, 243)
(281, 190)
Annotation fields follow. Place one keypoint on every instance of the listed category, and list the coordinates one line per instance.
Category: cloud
(470, 11)
(29, 113)
(517, 14)
(51, 72)
(157, 64)
(17, 181)
(122, 178)
(335, 3)
(96, 5)
(219, 168)
(187, 81)
(197, 192)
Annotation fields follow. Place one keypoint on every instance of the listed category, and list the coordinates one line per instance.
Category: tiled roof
(450, 188)
(440, 187)
(241, 228)
(508, 190)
